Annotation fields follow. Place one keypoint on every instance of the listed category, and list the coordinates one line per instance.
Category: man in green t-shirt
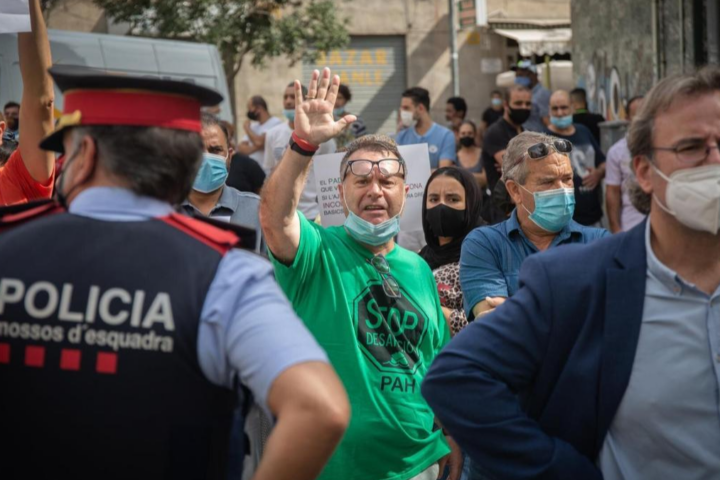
(372, 305)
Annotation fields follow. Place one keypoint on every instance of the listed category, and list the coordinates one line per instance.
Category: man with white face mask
(606, 363)
(419, 128)
(370, 303)
(210, 197)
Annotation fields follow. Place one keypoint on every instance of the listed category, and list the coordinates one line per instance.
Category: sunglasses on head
(540, 150)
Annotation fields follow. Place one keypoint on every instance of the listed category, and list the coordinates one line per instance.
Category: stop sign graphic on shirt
(389, 330)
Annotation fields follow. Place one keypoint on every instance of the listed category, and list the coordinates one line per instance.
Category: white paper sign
(327, 178)
(14, 16)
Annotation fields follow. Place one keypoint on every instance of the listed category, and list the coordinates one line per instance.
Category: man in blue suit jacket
(606, 363)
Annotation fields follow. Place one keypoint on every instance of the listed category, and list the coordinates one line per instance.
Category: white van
(197, 63)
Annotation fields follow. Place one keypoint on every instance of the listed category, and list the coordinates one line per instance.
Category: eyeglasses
(363, 168)
(690, 153)
(541, 150)
(390, 285)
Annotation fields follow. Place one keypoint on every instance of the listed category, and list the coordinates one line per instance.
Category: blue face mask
(553, 208)
(338, 112)
(524, 81)
(212, 174)
(289, 114)
(496, 102)
(562, 122)
(369, 233)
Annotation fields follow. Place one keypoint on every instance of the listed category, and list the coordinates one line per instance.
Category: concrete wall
(613, 54)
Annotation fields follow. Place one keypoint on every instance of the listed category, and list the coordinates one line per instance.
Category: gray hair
(514, 164)
(656, 102)
(372, 143)
(155, 162)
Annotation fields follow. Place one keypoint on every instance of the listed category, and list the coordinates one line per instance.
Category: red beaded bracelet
(304, 144)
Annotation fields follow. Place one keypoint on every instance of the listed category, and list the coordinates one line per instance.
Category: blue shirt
(440, 140)
(540, 108)
(668, 422)
(492, 255)
(247, 327)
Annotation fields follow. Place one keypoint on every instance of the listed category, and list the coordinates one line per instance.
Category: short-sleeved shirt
(18, 186)
(496, 140)
(276, 142)
(247, 328)
(490, 115)
(590, 120)
(440, 141)
(245, 175)
(586, 154)
(617, 172)
(381, 348)
(492, 255)
(540, 108)
(261, 129)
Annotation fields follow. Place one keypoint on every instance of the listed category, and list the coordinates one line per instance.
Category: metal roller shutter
(374, 69)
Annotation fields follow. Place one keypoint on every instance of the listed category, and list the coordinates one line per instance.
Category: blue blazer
(530, 390)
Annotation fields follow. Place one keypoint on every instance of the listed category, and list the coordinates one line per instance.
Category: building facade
(622, 47)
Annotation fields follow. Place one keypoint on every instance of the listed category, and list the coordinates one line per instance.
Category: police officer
(126, 328)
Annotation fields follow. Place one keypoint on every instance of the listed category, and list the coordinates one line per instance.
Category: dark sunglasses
(541, 150)
(390, 285)
(363, 168)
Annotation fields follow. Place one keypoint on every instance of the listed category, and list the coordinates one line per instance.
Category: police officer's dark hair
(209, 120)
(259, 101)
(11, 105)
(7, 147)
(156, 162)
(459, 104)
(419, 96)
(579, 95)
(344, 90)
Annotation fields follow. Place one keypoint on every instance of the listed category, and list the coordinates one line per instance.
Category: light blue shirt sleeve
(481, 273)
(447, 149)
(248, 329)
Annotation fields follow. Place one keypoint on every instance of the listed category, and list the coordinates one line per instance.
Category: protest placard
(14, 16)
(327, 178)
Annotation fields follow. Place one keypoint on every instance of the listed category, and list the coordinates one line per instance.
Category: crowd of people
(142, 334)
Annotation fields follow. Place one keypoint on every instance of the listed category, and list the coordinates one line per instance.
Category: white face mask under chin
(693, 197)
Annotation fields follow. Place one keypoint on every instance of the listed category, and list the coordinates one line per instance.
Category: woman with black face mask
(451, 209)
(469, 153)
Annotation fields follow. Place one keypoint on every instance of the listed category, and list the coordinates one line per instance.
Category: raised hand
(314, 120)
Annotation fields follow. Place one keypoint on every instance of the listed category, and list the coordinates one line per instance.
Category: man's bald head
(561, 96)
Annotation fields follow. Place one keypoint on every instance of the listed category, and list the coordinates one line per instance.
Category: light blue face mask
(524, 81)
(338, 112)
(371, 234)
(562, 122)
(497, 102)
(212, 174)
(289, 114)
(553, 208)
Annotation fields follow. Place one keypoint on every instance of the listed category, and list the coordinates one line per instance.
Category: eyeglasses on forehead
(363, 168)
(540, 150)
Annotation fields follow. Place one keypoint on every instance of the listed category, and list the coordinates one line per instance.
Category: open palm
(314, 120)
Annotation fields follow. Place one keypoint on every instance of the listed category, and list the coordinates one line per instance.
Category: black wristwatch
(297, 148)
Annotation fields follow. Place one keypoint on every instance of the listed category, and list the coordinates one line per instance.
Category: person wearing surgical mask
(538, 177)
(588, 161)
(210, 196)
(370, 303)
(608, 354)
(418, 127)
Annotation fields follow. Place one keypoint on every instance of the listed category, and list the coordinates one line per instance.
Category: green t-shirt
(380, 347)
